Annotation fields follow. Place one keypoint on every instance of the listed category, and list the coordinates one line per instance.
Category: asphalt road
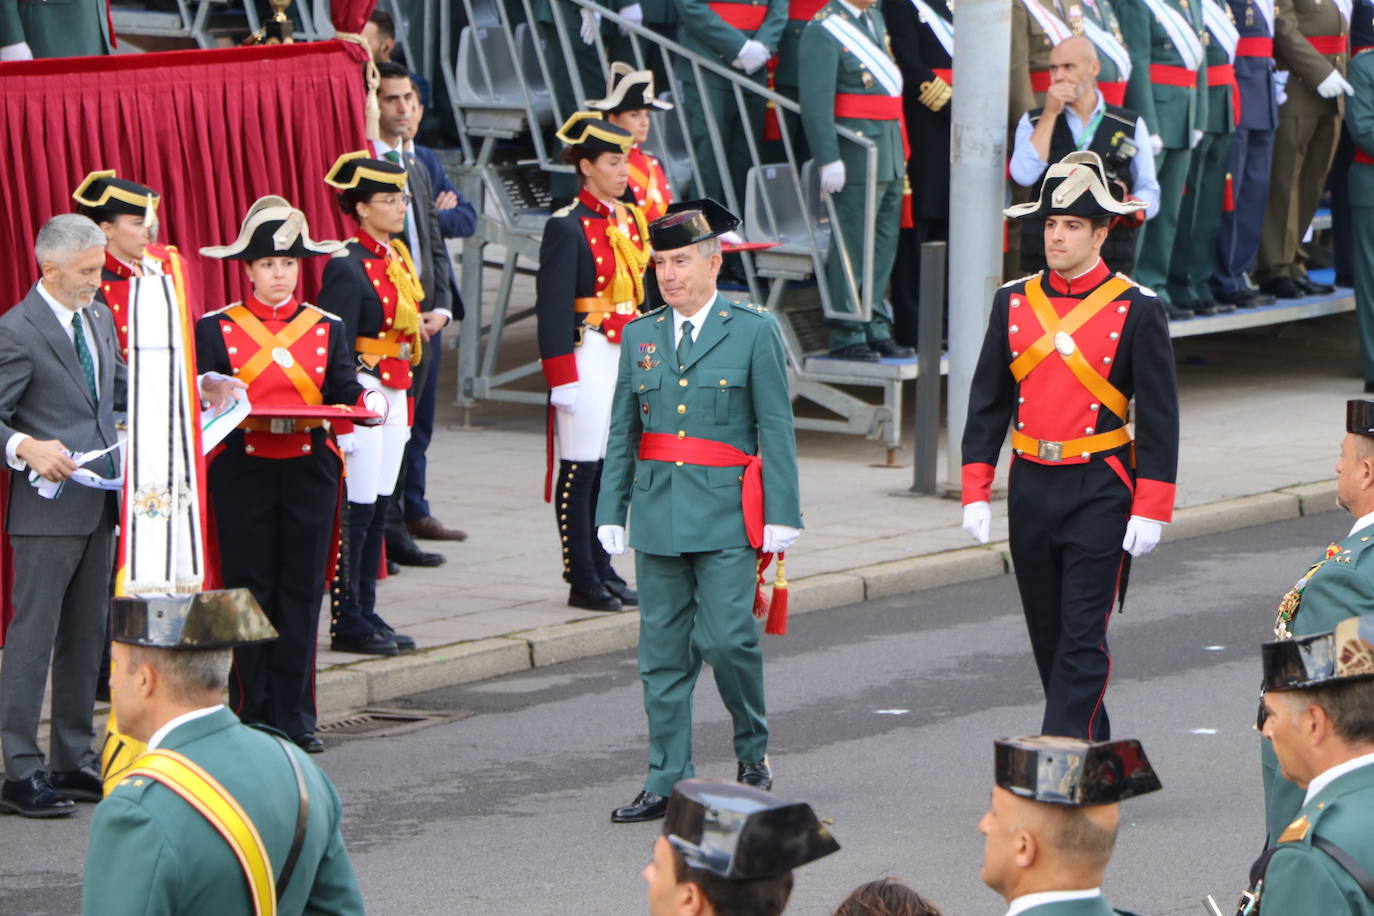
(882, 715)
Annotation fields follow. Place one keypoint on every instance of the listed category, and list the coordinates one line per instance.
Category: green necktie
(684, 346)
(83, 355)
(395, 156)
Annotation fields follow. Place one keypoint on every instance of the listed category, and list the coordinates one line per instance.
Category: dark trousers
(905, 289)
(1338, 183)
(1248, 162)
(275, 520)
(412, 481)
(1067, 523)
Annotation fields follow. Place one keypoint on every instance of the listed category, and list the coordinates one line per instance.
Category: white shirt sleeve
(1144, 182)
(1026, 164)
(11, 449)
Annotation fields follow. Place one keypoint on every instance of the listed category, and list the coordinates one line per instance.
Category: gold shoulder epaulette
(315, 308)
(1296, 832)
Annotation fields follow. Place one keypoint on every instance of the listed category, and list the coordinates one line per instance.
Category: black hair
(755, 897)
(390, 70)
(384, 23)
(98, 215)
(349, 200)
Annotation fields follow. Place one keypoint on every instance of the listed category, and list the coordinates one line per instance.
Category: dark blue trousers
(1252, 151)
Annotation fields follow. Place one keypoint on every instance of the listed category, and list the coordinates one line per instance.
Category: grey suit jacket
(433, 252)
(43, 393)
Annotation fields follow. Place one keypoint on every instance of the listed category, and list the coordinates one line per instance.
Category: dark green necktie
(83, 355)
(395, 156)
(684, 346)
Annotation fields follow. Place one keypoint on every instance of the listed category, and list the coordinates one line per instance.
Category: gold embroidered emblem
(1296, 832)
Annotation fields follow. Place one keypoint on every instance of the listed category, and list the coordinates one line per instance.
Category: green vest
(1303, 880)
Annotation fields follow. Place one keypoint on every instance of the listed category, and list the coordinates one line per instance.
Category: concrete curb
(345, 688)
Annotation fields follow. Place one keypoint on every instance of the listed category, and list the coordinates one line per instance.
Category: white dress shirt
(161, 734)
(1364, 521)
(1325, 779)
(412, 233)
(1027, 901)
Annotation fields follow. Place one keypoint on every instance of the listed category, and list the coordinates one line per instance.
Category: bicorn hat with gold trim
(104, 191)
(628, 89)
(590, 131)
(1342, 654)
(1071, 771)
(358, 171)
(1076, 186)
(272, 228)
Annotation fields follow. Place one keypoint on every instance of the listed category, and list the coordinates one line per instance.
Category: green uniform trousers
(849, 209)
(1155, 249)
(720, 96)
(1304, 146)
(698, 607)
(1199, 222)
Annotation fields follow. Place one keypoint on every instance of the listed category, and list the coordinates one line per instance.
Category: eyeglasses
(391, 200)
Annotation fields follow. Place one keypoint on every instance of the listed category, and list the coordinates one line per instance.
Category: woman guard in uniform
(274, 481)
(589, 286)
(628, 102)
(373, 288)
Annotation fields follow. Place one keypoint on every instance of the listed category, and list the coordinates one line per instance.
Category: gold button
(319, 351)
(319, 370)
(376, 282)
(678, 463)
(641, 387)
(249, 449)
(722, 381)
(681, 383)
(386, 375)
(682, 408)
(682, 434)
(305, 448)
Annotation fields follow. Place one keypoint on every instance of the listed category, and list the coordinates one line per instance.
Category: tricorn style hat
(206, 620)
(738, 832)
(1073, 772)
(357, 171)
(118, 195)
(688, 222)
(1342, 654)
(588, 130)
(1359, 417)
(628, 89)
(272, 228)
(1076, 186)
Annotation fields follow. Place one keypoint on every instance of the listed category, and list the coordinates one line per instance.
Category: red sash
(946, 75)
(1255, 47)
(1362, 157)
(746, 17)
(712, 454)
(804, 9)
(1327, 44)
(1164, 75)
(1225, 75)
(873, 108)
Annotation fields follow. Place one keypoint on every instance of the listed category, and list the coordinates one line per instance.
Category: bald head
(1075, 59)
(1032, 847)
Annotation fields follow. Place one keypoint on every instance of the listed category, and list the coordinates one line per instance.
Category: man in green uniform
(1166, 39)
(1339, 584)
(1359, 126)
(701, 394)
(159, 839)
(1051, 825)
(851, 80)
(76, 28)
(1319, 714)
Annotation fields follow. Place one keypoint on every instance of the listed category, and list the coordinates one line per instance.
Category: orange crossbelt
(268, 342)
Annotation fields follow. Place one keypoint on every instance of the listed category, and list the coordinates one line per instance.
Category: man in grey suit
(60, 375)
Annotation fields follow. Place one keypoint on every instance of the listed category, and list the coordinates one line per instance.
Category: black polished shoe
(759, 775)
(371, 644)
(595, 599)
(411, 555)
(890, 349)
(621, 589)
(403, 642)
(35, 797)
(1282, 287)
(1177, 314)
(309, 743)
(392, 567)
(859, 353)
(81, 784)
(647, 806)
(1310, 288)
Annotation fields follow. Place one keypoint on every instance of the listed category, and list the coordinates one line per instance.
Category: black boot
(575, 506)
(602, 560)
(349, 630)
(367, 579)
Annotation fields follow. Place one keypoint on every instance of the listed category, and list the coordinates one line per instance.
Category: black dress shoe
(890, 349)
(81, 784)
(1369, 387)
(594, 599)
(621, 589)
(35, 797)
(647, 806)
(309, 743)
(759, 775)
(371, 644)
(403, 642)
(859, 352)
(411, 555)
(392, 567)
(1176, 313)
(1347, 282)
(1313, 289)
(1282, 287)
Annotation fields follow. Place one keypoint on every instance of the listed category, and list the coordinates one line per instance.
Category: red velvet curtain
(350, 15)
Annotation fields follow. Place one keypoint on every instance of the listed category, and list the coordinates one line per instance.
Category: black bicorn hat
(628, 89)
(1359, 417)
(740, 833)
(202, 621)
(1071, 771)
(1343, 654)
(272, 228)
(593, 133)
(688, 222)
(106, 191)
(1076, 186)
(358, 171)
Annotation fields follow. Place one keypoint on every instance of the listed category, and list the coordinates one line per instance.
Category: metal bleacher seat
(490, 87)
(669, 144)
(774, 213)
(528, 58)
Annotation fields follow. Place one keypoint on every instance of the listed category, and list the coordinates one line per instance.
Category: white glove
(832, 176)
(591, 24)
(612, 538)
(634, 13)
(20, 51)
(1281, 87)
(777, 538)
(752, 55)
(1156, 143)
(1333, 86)
(564, 397)
(1196, 139)
(1142, 536)
(376, 402)
(348, 443)
(978, 521)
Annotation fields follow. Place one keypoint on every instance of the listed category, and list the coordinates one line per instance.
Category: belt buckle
(404, 351)
(1050, 451)
(282, 424)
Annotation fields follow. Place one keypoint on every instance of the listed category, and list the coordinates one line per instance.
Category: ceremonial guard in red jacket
(274, 481)
(127, 213)
(590, 285)
(372, 286)
(1066, 351)
(628, 103)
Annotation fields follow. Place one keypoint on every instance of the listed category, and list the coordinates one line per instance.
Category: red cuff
(1154, 499)
(560, 370)
(977, 483)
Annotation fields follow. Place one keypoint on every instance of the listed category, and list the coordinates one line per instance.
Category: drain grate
(383, 723)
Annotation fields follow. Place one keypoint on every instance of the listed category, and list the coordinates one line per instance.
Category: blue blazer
(455, 223)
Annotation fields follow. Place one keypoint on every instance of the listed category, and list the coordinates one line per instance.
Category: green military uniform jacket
(152, 854)
(56, 28)
(1359, 126)
(1171, 112)
(1336, 587)
(715, 39)
(732, 389)
(831, 69)
(1294, 22)
(1091, 906)
(1303, 880)
(1030, 50)
(1221, 108)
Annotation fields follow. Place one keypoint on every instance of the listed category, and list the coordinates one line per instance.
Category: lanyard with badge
(1085, 139)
